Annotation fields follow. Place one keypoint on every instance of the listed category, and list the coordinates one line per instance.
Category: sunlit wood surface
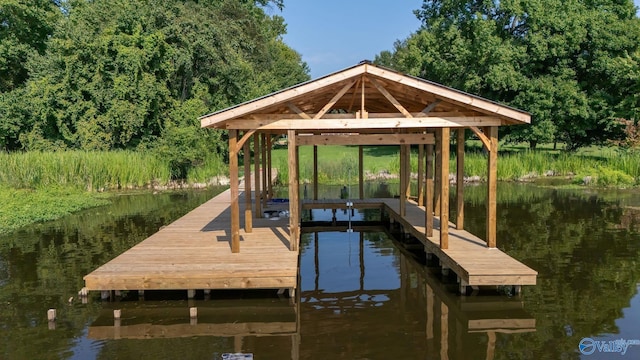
(194, 253)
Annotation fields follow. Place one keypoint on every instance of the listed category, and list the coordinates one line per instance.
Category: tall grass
(82, 170)
(213, 166)
(338, 165)
(610, 169)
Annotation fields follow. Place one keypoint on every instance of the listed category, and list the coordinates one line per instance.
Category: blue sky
(332, 35)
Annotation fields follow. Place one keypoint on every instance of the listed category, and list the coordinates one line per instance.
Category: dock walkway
(194, 253)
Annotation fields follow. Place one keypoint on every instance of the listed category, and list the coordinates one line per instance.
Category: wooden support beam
(390, 97)
(294, 202)
(334, 100)
(460, 179)
(492, 185)
(353, 95)
(243, 140)
(444, 186)
(235, 207)
(420, 175)
(297, 110)
(437, 170)
(349, 121)
(361, 171)
(269, 174)
(407, 177)
(482, 136)
(315, 172)
(248, 215)
(256, 174)
(365, 139)
(429, 192)
(431, 106)
(263, 175)
(403, 174)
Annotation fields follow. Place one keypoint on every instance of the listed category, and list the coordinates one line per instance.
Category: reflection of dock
(429, 309)
(468, 256)
(215, 318)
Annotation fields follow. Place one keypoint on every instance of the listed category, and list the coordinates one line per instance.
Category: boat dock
(365, 105)
(194, 252)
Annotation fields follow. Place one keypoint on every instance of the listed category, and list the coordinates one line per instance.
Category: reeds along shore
(96, 171)
(114, 170)
(608, 169)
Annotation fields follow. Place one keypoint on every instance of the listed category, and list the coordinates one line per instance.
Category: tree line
(573, 64)
(135, 74)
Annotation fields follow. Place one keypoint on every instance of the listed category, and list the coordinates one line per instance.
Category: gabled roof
(364, 97)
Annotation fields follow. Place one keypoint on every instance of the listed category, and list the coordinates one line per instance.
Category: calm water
(361, 297)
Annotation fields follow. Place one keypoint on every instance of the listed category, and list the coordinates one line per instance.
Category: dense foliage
(135, 74)
(574, 64)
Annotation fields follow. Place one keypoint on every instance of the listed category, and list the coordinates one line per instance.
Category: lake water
(362, 297)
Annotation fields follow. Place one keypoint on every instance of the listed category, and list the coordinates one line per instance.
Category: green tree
(566, 62)
(24, 29)
(134, 74)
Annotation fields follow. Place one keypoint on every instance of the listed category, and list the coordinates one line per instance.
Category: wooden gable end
(364, 98)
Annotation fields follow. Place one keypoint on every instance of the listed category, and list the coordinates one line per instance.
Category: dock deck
(194, 253)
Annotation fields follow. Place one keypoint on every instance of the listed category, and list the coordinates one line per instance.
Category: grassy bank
(606, 167)
(21, 207)
(42, 186)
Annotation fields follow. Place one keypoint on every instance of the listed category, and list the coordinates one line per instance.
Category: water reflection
(362, 297)
(367, 299)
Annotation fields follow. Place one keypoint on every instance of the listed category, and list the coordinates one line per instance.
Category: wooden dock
(468, 256)
(194, 253)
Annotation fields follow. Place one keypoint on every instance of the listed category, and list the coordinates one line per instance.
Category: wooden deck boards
(194, 253)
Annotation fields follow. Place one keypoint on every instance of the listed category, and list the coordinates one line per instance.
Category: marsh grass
(82, 170)
(338, 164)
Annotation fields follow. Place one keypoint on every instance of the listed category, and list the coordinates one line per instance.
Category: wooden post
(248, 216)
(269, 174)
(315, 172)
(361, 171)
(263, 189)
(407, 169)
(421, 175)
(235, 207)
(429, 193)
(444, 188)
(403, 192)
(492, 185)
(256, 174)
(294, 205)
(460, 179)
(51, 315)
(437, 170)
